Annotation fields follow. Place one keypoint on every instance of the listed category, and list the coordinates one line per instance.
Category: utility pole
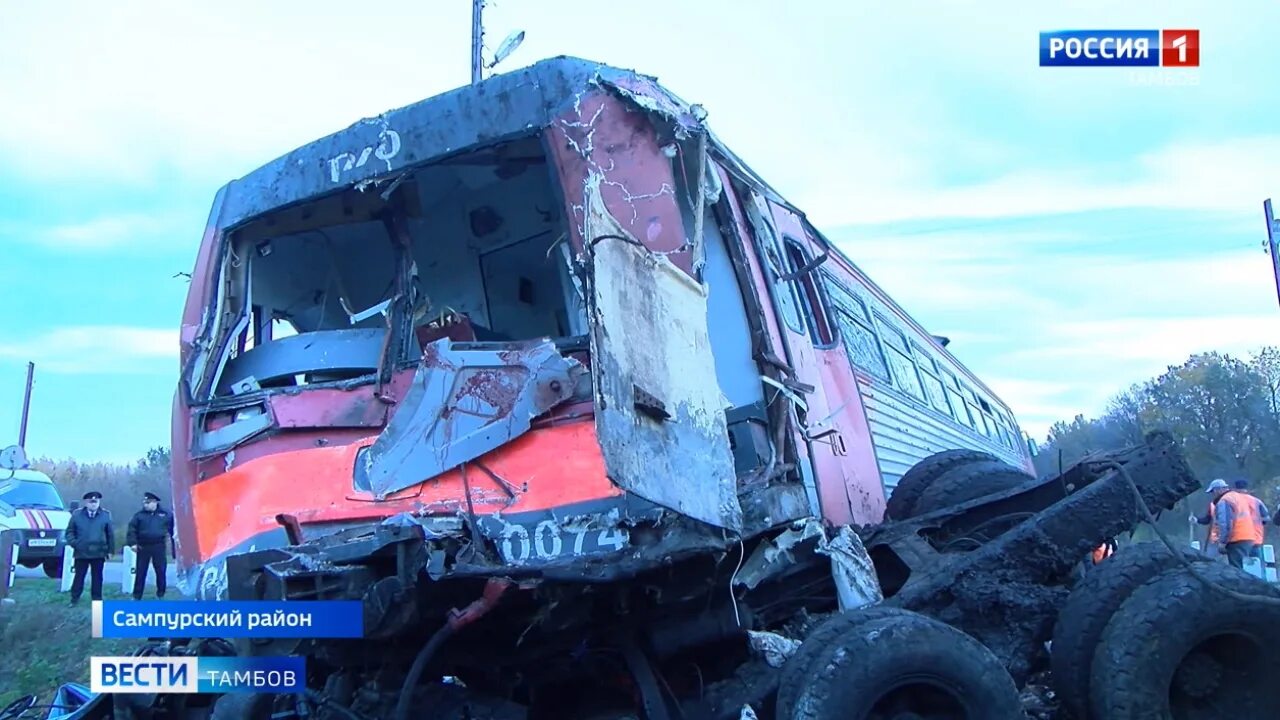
(26, 406)
(1273, 242)
(477, 40)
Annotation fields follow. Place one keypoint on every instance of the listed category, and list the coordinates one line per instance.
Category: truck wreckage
(596, 425)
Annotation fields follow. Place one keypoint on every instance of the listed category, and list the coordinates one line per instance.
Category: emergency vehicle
(31, 507)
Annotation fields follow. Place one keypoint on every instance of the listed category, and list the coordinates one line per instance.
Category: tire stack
(950, 477)
(1153, 634)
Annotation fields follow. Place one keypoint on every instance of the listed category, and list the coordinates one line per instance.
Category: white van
(31, 506)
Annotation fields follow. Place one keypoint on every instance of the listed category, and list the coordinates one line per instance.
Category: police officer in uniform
(90, 535)
(149, 529)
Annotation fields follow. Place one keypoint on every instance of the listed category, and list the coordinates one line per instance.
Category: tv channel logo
(1120, 48)
(144, 674)
(160, 674)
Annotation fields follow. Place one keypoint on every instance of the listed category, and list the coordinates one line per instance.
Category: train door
(819, 436)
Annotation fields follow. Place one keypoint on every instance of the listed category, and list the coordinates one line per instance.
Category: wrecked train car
(559, 290)
(541, 364)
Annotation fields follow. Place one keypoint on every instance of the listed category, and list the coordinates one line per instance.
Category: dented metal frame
(464, 401)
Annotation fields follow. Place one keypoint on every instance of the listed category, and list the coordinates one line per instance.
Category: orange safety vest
(1102, 552)
(1246, 518)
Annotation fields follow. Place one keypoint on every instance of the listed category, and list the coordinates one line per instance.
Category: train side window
(854, 325)
(812, 302)
(932, 383)
(785, 292)
(1007, 429)
(956, 397)
(904, 368)
(979, 420)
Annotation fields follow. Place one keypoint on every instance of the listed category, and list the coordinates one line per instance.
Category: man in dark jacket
(149, 529)
(92, 538)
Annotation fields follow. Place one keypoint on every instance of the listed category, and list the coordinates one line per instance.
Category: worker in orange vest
(1240, 518)
(1104, 551)
(1216, 490)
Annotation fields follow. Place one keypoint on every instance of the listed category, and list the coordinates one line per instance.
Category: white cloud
(102, 232)
(1152, 342)
(92, 349)
(1037, 404)
(1077, 366)
(1229, 176)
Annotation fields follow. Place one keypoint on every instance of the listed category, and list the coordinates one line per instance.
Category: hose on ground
(419, 665)
(1187, 564)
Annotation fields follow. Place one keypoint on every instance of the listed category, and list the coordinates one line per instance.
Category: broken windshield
(473, 248)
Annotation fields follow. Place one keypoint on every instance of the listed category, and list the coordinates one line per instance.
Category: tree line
(1223, 411)
(121, 484)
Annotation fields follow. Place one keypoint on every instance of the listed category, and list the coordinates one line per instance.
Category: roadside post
(129, 559)
(1264, 567)
(68, 568)
(8, 565)
(8, 561)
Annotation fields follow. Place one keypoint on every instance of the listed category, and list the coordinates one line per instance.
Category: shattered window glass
(891, 335)
(860, 343)
(937, 396)
(846, 300)
(786, 291)
(932, 385)
(854, 323)
(904, 373)
(904, 367)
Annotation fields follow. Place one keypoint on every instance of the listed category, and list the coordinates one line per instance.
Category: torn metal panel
(650, 340)
(463, 403)
(775, 556)
(326, 351)
(645, 92)
(774, 648)
(329, 408)
(244, 423)
(852, 569)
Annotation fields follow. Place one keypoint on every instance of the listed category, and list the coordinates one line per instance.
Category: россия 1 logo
(1122, 48)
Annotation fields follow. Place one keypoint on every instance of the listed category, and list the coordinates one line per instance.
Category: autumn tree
(1222, 411)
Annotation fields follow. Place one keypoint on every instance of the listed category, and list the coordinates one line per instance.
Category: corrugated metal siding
(904, 432)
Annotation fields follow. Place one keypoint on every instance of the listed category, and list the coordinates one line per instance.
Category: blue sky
(1073, 230)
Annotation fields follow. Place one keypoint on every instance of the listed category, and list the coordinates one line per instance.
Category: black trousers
(150, 555)
(84, 565)
(1238, 551)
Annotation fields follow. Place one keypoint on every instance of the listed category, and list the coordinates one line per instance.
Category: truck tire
(1089, 607)
(902, 501)
(903, 666)
(969, 482)
(53, 568)
(1178, 648)
(796, 671)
